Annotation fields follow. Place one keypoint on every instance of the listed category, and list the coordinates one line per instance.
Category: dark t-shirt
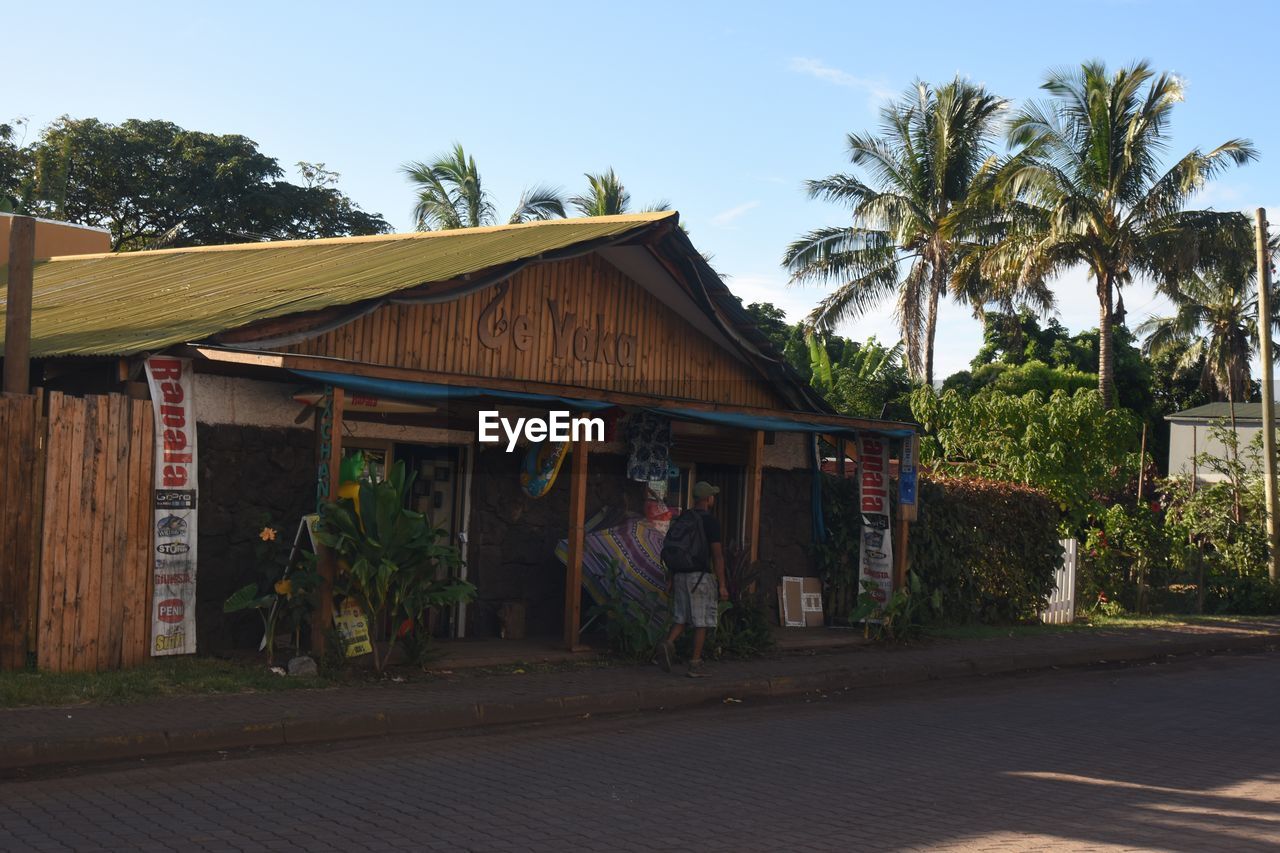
(711, 527)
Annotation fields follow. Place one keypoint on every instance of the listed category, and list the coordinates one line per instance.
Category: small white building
(1191, 434)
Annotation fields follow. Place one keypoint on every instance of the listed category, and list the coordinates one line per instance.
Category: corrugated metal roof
(119, 304)
(1220, 411)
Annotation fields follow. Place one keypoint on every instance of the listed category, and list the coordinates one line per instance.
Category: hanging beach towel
(541, 465)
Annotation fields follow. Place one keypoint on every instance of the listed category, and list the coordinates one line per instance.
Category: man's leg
(699, 637)
(667, 648)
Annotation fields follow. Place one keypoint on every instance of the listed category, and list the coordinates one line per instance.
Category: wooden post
(900, 552)
(17, 320)
(1268, 393)
(755, 479)
(330, 439)
(577, 532)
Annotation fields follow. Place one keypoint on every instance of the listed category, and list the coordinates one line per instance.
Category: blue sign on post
(907, 472)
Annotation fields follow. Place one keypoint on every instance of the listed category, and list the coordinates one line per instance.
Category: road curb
(293, 730)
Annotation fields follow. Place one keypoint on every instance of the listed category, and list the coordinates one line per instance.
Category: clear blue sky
(723, 109)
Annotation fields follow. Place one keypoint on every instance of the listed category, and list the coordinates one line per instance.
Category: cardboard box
(800, 602)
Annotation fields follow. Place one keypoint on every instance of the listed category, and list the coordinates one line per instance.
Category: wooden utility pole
(1268, 392)
(17, 318)
(577, 536)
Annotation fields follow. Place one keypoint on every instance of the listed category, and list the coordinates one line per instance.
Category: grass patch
(1091, 623)
(177, 676)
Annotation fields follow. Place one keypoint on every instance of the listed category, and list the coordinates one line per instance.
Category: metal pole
(1268, 393)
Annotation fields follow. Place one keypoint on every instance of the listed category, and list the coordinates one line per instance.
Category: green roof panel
(132, 302)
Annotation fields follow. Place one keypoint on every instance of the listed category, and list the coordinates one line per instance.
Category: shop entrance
(439, 491)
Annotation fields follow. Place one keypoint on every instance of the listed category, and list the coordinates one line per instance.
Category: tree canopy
(153, 184)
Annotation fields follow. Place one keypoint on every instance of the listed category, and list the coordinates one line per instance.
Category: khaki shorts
(695, 600)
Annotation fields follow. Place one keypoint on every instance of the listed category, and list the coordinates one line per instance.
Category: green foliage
(606, 196)
(1018, 355)
(743, 627)
(287, 600)
(394, 563)
(1224, 520)
(154, 184)
(451, 195)
(988, 550)
(1124, 556)
(632, 628)
(1069, 446)
(903, 616)
(837, 557)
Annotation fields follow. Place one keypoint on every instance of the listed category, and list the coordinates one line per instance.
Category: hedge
(991, 548)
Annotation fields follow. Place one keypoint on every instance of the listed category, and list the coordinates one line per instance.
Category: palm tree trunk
(1106, 355)
(936, 286)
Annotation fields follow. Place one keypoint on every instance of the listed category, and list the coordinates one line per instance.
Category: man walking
(691, 548)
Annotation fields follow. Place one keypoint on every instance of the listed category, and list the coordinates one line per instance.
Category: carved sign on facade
(584, 341)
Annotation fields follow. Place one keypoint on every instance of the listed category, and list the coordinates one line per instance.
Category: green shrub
(987, 549)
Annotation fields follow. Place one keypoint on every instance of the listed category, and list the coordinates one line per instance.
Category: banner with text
(173, 608)
(873, 499)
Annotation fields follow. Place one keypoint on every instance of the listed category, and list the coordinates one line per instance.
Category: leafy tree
(606, 196)
(16, 181)
(1087, 188)
(1019, 355)
(923, 207)
(450, 195)
(863, 379)
(1069, 445)
(155, 184)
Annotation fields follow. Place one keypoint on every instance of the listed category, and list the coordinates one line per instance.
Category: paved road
(1176, 757)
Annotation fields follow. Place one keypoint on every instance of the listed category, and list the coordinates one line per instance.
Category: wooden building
(396, 342)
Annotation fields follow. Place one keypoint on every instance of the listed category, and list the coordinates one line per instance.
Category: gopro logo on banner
(557, 426)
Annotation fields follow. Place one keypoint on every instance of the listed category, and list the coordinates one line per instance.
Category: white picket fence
(1061, 609)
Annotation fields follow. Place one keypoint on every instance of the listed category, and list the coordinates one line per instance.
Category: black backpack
(685, 548)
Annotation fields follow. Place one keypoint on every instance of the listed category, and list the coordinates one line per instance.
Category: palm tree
(924, 208)
(606, 196)
(1215, 319)
(1087, 188)
(450, 195)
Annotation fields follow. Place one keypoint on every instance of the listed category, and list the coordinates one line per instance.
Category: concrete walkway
(35, 737)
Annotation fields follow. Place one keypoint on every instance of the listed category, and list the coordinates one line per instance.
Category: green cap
(703, 489)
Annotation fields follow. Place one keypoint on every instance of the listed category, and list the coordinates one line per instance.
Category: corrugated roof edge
(637, 218)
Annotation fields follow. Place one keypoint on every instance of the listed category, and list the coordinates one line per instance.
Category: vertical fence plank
(141, 527)
(9, 511)
(115, 538)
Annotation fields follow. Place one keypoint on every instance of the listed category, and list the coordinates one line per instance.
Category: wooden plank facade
(95, 568)
(21, 460)
(578, 323)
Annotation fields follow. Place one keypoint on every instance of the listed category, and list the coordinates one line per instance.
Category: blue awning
(768, 424)
(430, 392)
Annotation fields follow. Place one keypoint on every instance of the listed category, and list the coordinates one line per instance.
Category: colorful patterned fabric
(635, 545)
(650, 439)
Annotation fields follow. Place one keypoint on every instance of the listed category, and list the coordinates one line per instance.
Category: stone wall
(786, 526)
(249, 476)
(513, 536)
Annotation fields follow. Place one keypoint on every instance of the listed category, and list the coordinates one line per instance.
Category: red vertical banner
(873, 503)
(173, 609)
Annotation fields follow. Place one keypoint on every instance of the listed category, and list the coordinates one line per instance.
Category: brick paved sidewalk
(31, 737)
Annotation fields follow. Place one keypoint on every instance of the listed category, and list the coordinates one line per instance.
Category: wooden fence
(21, 469)
(1061, 608)
(91, 503)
